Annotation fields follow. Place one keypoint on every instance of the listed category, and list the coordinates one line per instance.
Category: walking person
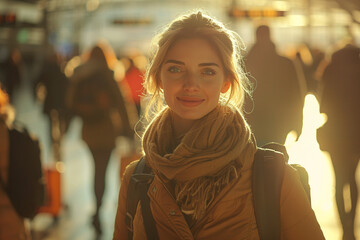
(54, 83)
(340, 101)
(95, 96)
(134, 80)
(199, 146)
(12, 73)
(277, 104)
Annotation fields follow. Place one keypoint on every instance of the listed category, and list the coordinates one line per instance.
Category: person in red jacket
(134, 78)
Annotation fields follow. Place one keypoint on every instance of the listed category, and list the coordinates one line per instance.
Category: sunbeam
(306, 152)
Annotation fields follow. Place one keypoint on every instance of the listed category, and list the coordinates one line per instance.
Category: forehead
(193, 49)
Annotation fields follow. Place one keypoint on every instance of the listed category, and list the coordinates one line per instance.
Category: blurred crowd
(104, 89)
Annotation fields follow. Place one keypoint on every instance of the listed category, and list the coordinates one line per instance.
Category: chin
(194, 115)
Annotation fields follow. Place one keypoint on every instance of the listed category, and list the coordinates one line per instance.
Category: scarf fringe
(194, 197)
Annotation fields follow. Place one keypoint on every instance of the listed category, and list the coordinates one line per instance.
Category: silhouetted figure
(11, 72)
(340, 101)
(55, 84)
(277, 97)
(95, 96)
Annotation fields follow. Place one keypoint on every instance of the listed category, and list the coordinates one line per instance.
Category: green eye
(174, 69)
(209, 72)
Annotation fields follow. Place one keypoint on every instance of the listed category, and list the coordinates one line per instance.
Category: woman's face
(192, 77)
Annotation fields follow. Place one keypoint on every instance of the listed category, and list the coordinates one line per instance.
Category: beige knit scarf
(206, 159)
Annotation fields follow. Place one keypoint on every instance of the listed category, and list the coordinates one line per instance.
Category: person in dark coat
(11, 73)
(277, 103)
(54, 82)
(94, 95)
(12, 225)
(340, 101)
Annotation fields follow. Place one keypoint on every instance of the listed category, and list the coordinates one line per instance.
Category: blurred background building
(74, 25)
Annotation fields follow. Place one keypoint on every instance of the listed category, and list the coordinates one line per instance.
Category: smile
(190, 101)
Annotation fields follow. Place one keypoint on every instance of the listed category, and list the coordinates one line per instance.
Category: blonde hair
(228, 44)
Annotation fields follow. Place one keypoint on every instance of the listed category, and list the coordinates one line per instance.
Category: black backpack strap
(149, 222)
(300, 170)
(137, 191)
(267, 177)
(277, 147)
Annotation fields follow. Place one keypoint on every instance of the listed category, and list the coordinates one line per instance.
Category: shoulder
(297, 217)
(290, 173)
(130, 168)
(126, 180)
(292, 188)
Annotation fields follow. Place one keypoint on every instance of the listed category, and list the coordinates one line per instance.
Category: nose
(190, 82)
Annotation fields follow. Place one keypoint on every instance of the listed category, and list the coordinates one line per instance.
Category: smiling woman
(200, 148)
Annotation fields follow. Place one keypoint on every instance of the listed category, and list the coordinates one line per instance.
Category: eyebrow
(174, 61)
(208, 64)
(200, 64)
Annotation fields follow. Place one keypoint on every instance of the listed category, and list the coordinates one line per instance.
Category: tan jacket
(230, 216)
(11, 224)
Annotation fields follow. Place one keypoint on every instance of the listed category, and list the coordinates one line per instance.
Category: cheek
(169, 97)
(166, 86)
(169, 90)
(165, 82)
(214, 90)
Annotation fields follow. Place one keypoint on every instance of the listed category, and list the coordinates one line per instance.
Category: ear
(225, 87)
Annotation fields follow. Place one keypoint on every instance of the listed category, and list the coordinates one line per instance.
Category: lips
(190, 101)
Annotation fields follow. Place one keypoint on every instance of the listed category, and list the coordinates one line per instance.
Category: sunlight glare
(305, 151)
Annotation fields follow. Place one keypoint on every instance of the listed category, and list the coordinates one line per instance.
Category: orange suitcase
(53, 192)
